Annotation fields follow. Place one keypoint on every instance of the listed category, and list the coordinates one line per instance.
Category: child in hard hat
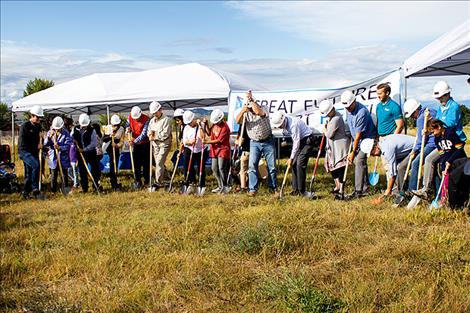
(59, 141)
(113, 140)
(219, 142)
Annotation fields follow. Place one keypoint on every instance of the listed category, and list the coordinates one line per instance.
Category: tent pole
(405, 94)
(107, 112)
(278, 153)
(13, 136)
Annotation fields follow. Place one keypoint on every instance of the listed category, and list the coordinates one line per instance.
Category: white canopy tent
(181, 86)
(447, 55)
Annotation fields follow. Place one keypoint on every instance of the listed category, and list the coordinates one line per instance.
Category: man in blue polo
(361, 127)
(389, 117)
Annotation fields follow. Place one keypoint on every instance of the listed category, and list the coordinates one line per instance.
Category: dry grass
(160, 252)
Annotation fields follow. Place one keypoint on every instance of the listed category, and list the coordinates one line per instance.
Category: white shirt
(188, 135)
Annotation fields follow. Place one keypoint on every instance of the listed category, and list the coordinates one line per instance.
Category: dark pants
(195, 164)
(31, 171)
(54, 174)
(459, 184)
(112, 161)
(338, 173)
(142, 162)
(299, 164)
(92, 159)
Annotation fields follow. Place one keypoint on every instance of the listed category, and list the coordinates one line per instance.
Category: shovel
(284, 182)
(312, 194)
(65, 189)
(174, 171)
(374, 176)
(435, 203)
(151, 187)
(200, 190)
(88, 171)
(401, 196)
(340, 195)
(134, 185)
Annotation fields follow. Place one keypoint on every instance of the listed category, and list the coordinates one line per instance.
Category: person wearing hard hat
(337, 143)
(85, 140)
(302, 145)
(219, 142)
(450, 114)
(137, 125)
(192, 142)
(361, 127)
(243, 142)
(259, 130)
(58, 139)
(159, 133)
(414, 110)
(389, 116)
(29, 144)
(113, 139)
(396, 150)
(178, 118)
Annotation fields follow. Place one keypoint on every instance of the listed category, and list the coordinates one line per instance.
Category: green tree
(465, 115)
(5, 116)
(36, 85)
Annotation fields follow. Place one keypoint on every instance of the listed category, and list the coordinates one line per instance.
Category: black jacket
(29, 138)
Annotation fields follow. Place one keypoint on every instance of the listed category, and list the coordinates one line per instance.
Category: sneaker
(217, 190)
(354, 195)
(398, 201)
(421, 193)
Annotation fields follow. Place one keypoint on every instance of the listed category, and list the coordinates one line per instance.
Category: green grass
(160, 252)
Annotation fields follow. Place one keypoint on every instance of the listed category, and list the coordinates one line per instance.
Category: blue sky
(280, 45)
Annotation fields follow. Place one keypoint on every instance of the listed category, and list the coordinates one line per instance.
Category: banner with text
(304, 103)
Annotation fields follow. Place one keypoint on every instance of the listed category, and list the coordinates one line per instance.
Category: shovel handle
(284, 180)
(88, 171)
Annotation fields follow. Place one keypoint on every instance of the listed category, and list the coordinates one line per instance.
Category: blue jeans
(31, 171)
(415, 166)
(267, 149)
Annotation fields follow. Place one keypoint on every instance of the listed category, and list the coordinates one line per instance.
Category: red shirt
(220, 132)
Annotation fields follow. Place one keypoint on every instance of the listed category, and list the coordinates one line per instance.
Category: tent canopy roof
(447, 55)
(181, 86)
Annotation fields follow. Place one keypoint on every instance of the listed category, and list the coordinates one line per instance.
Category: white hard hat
(188, 117)
(57, 122)
(115, 119)
(136, 112)
(410, 106)
(178, 113)
(326, 106)
(154, 107)
(216, 116)
(277, 119)
(84, 120)
(37, 110)
(441, 88)
(347, 98)
(367, 145)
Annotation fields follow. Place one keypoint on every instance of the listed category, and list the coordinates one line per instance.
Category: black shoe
(335, 191)
(25, 195)
(295, 193)
(353, 196)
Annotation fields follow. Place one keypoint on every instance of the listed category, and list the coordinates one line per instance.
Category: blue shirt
(450, 147)
(395, 148)
(360, 120)
(298, 130)
(451, 115)
(420, 125)
(387, 113)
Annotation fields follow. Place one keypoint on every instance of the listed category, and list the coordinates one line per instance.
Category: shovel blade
(189, 190)
(413, 202)
(434, 205)
(200, 191)
(373, 178)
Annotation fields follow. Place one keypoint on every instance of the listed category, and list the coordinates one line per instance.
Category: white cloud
(356, 22)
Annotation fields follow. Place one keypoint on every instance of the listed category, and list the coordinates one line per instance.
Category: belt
(270, 137)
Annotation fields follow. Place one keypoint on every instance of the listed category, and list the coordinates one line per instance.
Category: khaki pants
(262, 169)
(160, 152)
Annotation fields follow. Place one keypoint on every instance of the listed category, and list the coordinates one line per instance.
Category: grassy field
(160, 252)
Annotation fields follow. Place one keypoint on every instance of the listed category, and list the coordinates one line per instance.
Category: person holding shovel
(413, 109)
(219, 142)
(337, 143)
(193, 147)
(29, 145)
(159, 133)
(259, 130)
(85, 139)
(361, 127)
(302, 146)
(59, 141)
(137, 126)
(113, 141)
(396, 150)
